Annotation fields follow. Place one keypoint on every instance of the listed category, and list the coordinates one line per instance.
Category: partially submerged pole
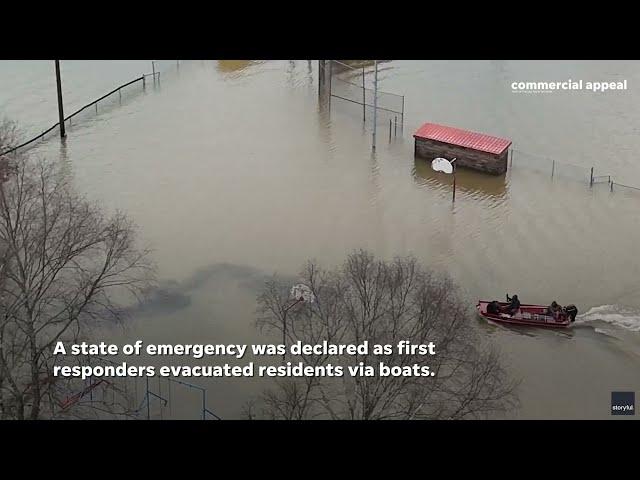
(454, 187)
(375, 102)
(454, 179)
(63, 133)
(148, 406)
(364, 98)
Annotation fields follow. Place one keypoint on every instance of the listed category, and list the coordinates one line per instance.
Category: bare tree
(383, 303)
(9, 134)
(64, 265)
(9, 138)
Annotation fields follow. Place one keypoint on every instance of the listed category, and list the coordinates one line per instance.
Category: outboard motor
(572, 312)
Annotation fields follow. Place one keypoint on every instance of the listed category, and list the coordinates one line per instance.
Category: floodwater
(235, 170)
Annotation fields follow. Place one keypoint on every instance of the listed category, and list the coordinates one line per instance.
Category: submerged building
(473, 150)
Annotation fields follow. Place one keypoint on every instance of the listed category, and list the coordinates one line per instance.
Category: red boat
(529, 315)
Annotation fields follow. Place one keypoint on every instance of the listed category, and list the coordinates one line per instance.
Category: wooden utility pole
(63, 133)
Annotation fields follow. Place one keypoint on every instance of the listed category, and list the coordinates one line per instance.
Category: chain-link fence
(556, 168)
(348, 82)
(550, 166)
(109, 100)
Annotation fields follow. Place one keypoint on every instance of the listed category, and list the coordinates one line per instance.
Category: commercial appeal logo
(623, 403)
(568, 85)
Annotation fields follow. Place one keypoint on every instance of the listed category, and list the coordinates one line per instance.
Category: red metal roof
(462, 138)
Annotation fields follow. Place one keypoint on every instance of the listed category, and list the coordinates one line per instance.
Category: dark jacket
(515, 303)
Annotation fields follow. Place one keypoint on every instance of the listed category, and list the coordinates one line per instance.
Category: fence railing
(568, 170)
(155, 74)
(354, 89)
(601, 179)
(96, 395)
(612, 183)
(134, 402)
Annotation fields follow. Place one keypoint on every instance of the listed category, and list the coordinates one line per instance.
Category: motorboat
(528, 315)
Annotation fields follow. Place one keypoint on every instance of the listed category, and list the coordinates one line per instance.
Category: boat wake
(619, 316)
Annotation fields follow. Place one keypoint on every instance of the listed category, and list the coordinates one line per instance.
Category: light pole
(63, 133)
(375, 101)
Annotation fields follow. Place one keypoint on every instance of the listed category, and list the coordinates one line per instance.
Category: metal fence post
(591, 178)
(454, 185)
(160, 395)
(553, 167)
(90, 382)
(169, 396)
(330, 79)
(364, 99)
(148, 406)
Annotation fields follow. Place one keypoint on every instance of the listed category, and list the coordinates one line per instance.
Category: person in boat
(554, 309)
(514, 305)
(493, 307)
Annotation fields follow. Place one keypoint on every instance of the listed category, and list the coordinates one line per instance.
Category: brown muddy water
(235, 170)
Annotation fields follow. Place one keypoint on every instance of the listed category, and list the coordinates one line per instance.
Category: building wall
(482, 161)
